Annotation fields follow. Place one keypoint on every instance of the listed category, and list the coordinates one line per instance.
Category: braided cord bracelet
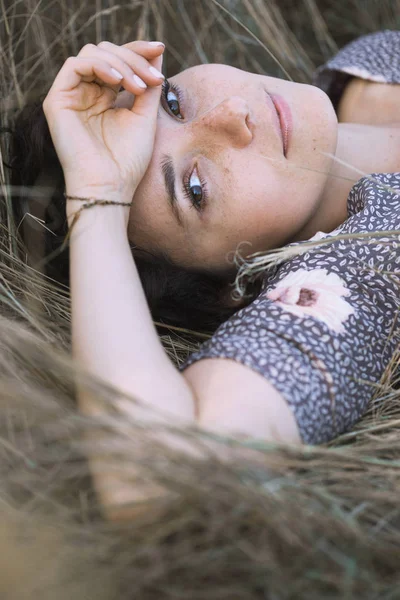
(89, 203)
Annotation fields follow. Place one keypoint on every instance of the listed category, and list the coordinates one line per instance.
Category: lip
(285, 120)
(275, 118)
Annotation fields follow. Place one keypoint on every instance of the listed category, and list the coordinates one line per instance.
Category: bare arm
(113, 335)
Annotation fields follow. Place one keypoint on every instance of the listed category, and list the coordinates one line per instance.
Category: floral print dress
(326, 324)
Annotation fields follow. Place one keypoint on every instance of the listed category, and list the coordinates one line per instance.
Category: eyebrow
(167, 167)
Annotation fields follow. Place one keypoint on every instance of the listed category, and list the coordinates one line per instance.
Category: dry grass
(317, 522)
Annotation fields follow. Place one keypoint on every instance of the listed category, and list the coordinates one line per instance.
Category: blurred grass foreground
(311, 523)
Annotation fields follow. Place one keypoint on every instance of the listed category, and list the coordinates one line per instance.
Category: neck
(367, 148)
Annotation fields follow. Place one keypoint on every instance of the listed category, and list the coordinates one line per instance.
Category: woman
(301, 357)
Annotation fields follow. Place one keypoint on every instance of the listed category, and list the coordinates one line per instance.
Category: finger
(141, 66)
(128, 78)
(147, 104)
(77, 69)
(148, 50)
(138, 72)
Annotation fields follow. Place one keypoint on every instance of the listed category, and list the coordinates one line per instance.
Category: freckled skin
(256, 194)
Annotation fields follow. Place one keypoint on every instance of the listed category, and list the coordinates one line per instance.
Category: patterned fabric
(375, 57)
(324, 326)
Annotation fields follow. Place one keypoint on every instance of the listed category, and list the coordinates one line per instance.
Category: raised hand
(101, 146)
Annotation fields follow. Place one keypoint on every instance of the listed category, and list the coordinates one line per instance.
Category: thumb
(147, 104)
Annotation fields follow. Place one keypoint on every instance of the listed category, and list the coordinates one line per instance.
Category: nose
(229, 119)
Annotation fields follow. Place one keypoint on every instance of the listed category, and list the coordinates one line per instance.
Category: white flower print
(318, 236)
(315, 293)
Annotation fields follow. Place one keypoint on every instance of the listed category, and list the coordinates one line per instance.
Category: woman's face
(218, 148)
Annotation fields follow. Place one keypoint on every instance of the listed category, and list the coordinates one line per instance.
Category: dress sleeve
(373, 57)
(325, 325)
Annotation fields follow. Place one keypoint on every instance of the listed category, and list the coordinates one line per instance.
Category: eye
(195, 190)
(172, 97)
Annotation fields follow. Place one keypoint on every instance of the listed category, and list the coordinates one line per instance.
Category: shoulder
(370, 103)
(361, 65)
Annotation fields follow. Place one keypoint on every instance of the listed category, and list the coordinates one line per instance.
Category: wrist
(101, 191)
(90, 210)
(100, 198)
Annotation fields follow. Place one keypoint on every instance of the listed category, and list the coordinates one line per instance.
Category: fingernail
(140, 82)
(156, 73)
(157, 44)
(117, 73)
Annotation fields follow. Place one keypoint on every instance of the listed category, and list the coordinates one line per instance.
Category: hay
(251, 520)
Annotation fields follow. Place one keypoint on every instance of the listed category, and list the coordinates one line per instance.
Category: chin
(326, 120)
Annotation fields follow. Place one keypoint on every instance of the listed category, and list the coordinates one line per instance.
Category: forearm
(113, 335)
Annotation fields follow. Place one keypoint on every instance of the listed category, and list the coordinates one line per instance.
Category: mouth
(285, 120)
(276, 121)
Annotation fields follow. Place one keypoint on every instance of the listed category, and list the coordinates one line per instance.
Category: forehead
(212, 73)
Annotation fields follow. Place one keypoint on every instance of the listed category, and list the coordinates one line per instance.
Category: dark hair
(177, 296)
